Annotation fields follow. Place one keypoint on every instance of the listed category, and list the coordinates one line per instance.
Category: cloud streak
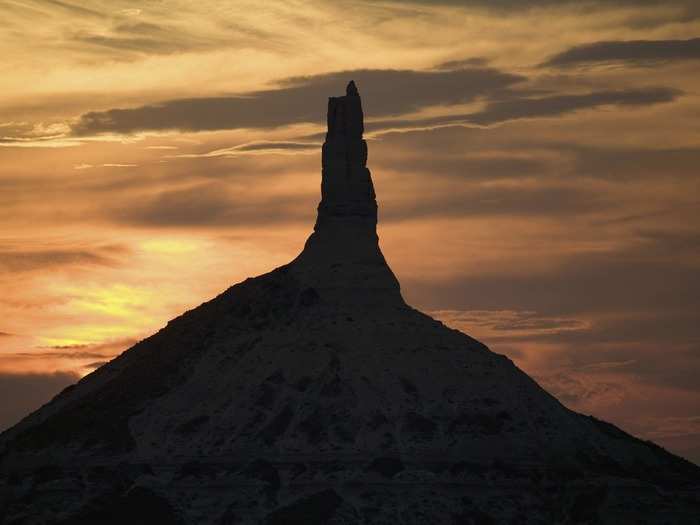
(638, 52)
(17, 260)
(515, 106)
(296, 101)
(418, 90)
(210, 204)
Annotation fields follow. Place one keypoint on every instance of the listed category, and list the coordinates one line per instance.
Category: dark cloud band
(634, 51)
(391, 93)
(387, 92)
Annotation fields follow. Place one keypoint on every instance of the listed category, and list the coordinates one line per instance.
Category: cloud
(629, 311)
(216, 204)
(386, 92)
(96, 364)
(211, 204)
(468, 165)
(25, 134)
(14, 259)
(28, 392)
(67, 6)
(475, 159)
(462, 63)
(638, 52)
(521, 107)
(581, 391)
(129, 38)
(519, 5)
(655, 278)
(528, 324)
(622, 163)
(106, 348)
(513, 106)
(58, 354)
(508, 201)
(610, 365)
(262, 147)
(76, 354)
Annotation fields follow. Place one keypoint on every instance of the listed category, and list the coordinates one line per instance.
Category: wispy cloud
(258, 148)
(15, 259)
(295, 101)
(639, 52)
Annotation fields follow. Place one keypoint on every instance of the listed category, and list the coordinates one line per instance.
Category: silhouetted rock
(313, 394)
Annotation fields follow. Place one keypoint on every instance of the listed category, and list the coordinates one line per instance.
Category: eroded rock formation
(313, 394)
(342, 255)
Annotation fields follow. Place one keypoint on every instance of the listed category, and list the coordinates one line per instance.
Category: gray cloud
(212, 204)
(215, 204)
(77, 352)
(614, 163)
(14, 259)
(483, 154)
(508, 321)
(640, 330)
(640, 14)
(514, 106)
(517, 108)
(74, 8)
(542, 200)
(28, 392)
(275, 145)
(58, 354)
(462, 63)
(127, 39)
(385, 92)
(475, 168)
(654, 276)
(643, 344)
(633, 51)
(20, 133)
(533, 321)
(633, 163)
(257, 147)
(572, 390)
(519, 5)
(629, 344)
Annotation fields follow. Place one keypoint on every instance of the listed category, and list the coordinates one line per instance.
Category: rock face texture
(313, 394)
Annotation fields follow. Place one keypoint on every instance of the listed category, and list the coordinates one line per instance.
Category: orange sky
(536, 165)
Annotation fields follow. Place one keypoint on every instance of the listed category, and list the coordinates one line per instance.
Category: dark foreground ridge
(313, 394)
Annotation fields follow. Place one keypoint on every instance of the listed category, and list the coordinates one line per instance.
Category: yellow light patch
(170, 246)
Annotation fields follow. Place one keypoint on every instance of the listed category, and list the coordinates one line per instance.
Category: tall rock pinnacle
(346, 187)
(343, 254)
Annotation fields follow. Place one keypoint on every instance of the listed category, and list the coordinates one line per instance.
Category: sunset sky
(536, 164)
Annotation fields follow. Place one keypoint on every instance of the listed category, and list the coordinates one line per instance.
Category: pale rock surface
(313, 394)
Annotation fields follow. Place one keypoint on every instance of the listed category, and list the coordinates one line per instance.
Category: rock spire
(343, 254)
